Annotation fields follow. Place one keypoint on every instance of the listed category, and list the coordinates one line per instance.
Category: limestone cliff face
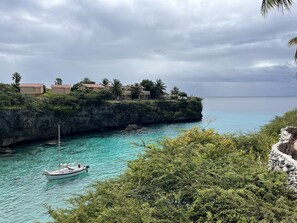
(27, 125)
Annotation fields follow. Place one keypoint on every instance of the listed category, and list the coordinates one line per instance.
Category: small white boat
(65, 171)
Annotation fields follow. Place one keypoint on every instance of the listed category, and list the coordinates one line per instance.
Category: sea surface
(24, 190)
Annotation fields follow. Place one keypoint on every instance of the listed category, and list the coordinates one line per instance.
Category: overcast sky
(205, 47)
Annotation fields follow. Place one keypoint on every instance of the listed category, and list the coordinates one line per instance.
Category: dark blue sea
(24, 190)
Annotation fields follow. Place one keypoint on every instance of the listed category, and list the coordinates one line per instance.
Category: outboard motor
(87, 168)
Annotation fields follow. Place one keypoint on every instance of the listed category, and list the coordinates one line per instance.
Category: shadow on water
(54, 184)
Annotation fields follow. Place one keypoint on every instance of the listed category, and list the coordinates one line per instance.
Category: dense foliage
(66, 104)
(201, 176)
(156, 88)
(10, 98)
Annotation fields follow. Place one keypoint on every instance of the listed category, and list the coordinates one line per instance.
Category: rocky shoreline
(20, 126)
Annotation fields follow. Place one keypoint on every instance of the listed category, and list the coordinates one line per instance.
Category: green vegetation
(201, 176)
(135, 91)
(175, 93)
(156, 88)
(62, 104)
(58, 81)
(70, 104)
(86, 80)
(274, 127)
(105, 82)
(117, 88)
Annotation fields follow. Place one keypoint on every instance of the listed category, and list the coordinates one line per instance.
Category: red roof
(61, 86)
(31, 85)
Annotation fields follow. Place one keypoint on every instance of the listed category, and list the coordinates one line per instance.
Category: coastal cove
(25, 190)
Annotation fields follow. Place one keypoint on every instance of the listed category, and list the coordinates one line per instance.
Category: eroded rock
(283, 155)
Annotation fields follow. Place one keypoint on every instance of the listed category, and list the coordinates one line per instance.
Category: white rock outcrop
(283, 155)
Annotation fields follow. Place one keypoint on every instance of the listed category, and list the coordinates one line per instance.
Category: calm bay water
(24, 191)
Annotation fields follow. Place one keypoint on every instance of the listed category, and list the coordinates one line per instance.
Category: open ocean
(24, 190)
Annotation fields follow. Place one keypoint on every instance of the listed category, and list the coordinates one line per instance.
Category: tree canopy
(117, 88)
(105, 81)
(58, 81)
(156, 88)
(135, 91)
(86, 80)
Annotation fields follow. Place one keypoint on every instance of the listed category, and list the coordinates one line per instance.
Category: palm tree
(159, 88)
(116, 88)
(58, 81)
(87, 80)
(292, 42)
(281, 5)
(175, 91)
(135, 91)
(105, 82)
(271, 4)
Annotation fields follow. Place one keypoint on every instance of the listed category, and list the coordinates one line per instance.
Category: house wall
(145, 95)
(27, 89)
(31, 90)
(60, 90)
(82, 88)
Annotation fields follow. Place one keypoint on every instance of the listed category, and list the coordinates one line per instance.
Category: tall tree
(159, 88)
(58, 81)
(135, 91)
(116, 88)
(147, 84)
(283, 5)
(105, 82)
(86, 80)
(175, 91)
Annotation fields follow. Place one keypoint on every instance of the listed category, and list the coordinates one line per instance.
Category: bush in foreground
(201, 176)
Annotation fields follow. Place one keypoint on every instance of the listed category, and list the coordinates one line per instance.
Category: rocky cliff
(283, 155)
(32, 124)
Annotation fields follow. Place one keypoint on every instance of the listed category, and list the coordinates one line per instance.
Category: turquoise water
(24, 191)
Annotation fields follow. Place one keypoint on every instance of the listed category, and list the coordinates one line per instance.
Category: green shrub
(201, 176)
(274, 127)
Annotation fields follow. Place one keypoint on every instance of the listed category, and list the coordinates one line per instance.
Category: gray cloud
(200, 46)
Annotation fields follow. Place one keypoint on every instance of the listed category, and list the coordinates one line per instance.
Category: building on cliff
(144, 95)
(61, 89)
(34, 90)
(126, 95)
(92, 87)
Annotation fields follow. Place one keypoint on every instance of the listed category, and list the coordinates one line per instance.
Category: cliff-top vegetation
(11, 99)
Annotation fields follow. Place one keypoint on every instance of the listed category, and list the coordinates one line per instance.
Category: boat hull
(65, 173)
